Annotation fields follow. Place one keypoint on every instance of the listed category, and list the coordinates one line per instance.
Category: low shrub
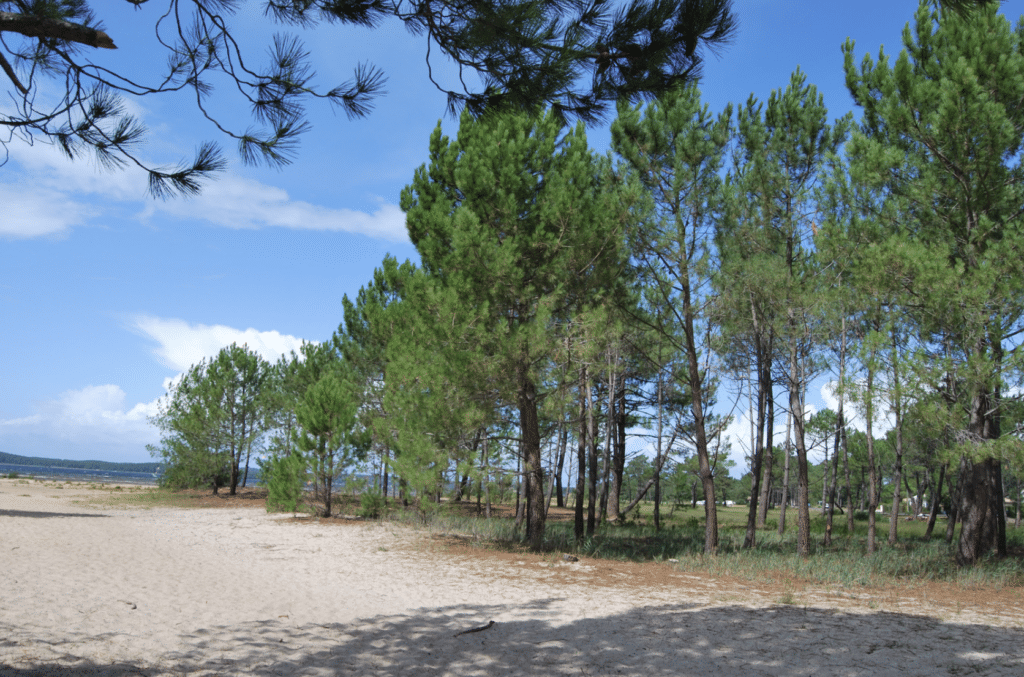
(371, 504)
(285, 479)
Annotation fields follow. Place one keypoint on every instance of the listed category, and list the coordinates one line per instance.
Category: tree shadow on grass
(530, 640)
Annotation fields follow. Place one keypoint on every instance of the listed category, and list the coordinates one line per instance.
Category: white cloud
(45, 168)
(39, 212)
(182, 345)
(96, 417)
(50, 194)
(94, 414)
(231, 201)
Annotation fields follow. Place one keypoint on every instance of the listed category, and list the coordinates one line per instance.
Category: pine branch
(39, 27)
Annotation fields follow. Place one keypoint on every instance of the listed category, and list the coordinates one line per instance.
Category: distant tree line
(14, 459)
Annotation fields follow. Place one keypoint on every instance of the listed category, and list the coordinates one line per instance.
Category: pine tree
(675, 149)
(515, 221)
(326, 420)
(576, 57)
(940, 137)
(783, 147)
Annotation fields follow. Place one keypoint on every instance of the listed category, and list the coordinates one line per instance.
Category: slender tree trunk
(835, 474)
(936, 499)
(563, 440)
(609, 428)
(757, 453)
(757, 512)
(487, 478)
(619, 455)
(785, 474)
(897, 406)
(768, 462)
(564, 428)
(1016, 519)
(248, 452)
(954, 501)
(592, 459)
(579, 526)
(657, 473)
(803, 512)
(872, 485)
(520, 481)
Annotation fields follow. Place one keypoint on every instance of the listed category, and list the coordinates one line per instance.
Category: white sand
(101, 591)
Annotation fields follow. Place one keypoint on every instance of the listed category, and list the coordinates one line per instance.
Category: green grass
(774, 560)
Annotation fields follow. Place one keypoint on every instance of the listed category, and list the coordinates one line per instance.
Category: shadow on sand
(41, 514)
(655, 641)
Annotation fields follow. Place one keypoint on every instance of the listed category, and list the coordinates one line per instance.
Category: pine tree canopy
(576, 56)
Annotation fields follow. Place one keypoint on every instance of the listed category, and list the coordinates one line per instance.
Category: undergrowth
(681, 543)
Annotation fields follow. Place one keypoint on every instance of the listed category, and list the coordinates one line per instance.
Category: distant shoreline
(97, 466)
(38, 472)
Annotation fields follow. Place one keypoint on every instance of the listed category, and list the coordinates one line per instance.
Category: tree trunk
(609, 433)
(954, 501)
(579, 525)
(983, 516)
(487, 478)
(559, 489)
(660, 451)
(784, 504)
(619, 456)
(757, 511)
(979, 527)
(248, 452)
(835, 473)
(1016, 518)
(592, 460)
(897, 405)
(765, 410)
(936, 499)
(520, 480)
(530, 426)
(803, 511)
(872, 485)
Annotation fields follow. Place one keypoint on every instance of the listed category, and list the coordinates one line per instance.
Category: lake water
(77, 474)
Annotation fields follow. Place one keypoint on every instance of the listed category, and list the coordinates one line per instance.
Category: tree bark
(897, 405)
(872, 485)
(579, 526)
(803, 511)
(936, 499)
(784, 504)
(757, 512)
(39, 27)
(983, 517)
(765, 392)
(618, 457)
(563, 443)
(533, 471)
(592, 460)
(835, 474)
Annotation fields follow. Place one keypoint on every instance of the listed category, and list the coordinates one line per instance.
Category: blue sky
(106, 294)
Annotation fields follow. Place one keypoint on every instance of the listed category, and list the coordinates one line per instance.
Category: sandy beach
(169, 591)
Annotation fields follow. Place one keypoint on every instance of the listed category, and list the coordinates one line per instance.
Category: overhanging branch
(38, 27)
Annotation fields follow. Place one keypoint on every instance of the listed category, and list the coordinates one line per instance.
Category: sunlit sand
(170, 591)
